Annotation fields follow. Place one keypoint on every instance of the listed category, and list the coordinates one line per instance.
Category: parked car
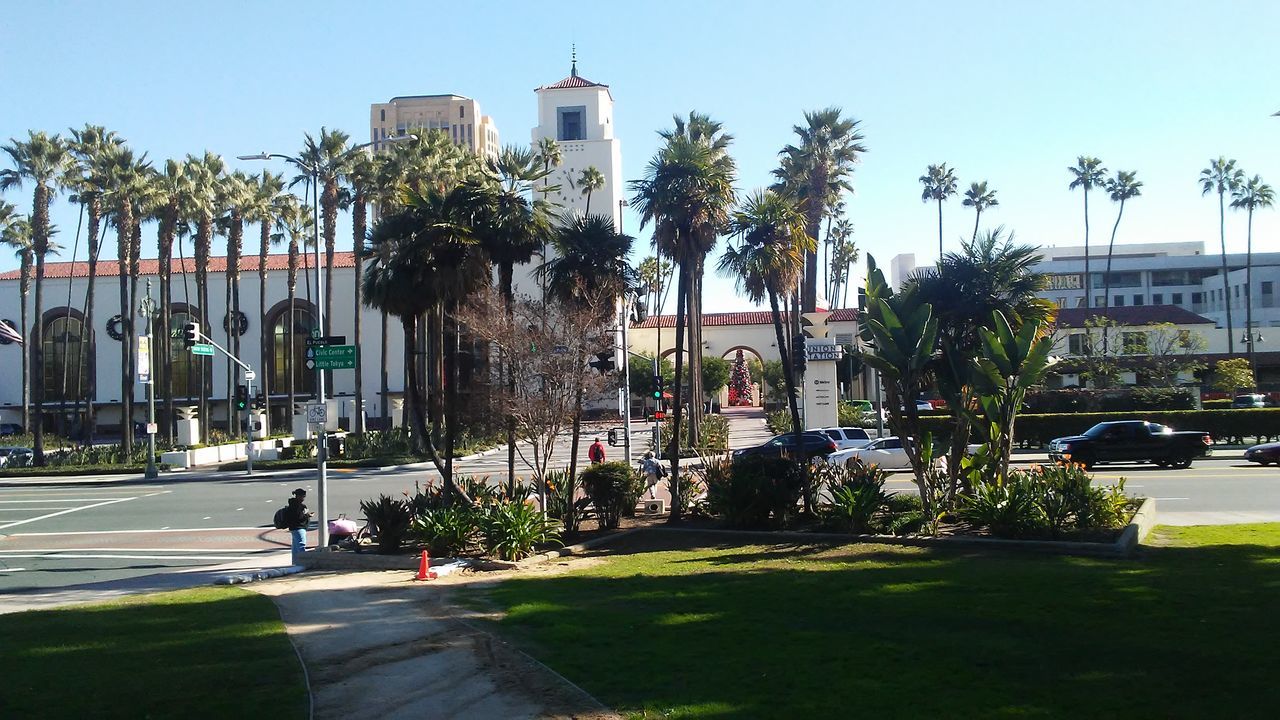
(1250, 400)
(816, 444)
(866, 411)
(887, 453)
(847, 437)
(1132, 441)
(1264, 454)
(14, 456)
(10, 429)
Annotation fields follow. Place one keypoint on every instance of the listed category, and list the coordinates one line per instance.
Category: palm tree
(265, 207)
(700, 129)
(16, 234)
(425, 258)
(128, 179)
(816, 171)
(590, 272)
(979, 198)
(237, 192)
(1249, 196)
(362, 173)
(1222, 176)
(1087, 174)
(768, 264)
(939, 183)
(1124, 186)
(589, 181)
(329, 155)
(686, 193)
(295, 221)
(204, 174)
(172, 189)
(45, 161)
(91, 147)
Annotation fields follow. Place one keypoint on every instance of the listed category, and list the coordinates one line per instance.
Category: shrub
(379, 443)
(779, 421)
(448, 531)
(563, 504)
(389, 521)
(512, 530)
(857, 494)
(613, 489)
(1007, 509)
(713, 435)
(1049, 499)
(756, 491)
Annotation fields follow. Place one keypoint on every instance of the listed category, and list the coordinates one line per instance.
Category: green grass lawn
(206, 653)
(1188, 630)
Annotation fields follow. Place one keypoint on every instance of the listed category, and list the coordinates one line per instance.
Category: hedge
(1036, 430)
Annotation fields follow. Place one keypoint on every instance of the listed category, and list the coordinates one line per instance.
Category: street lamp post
(322, 447)
(625, 391)
(148, 311)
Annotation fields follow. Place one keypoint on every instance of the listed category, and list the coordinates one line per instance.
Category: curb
(1138, 528)
(243, 578)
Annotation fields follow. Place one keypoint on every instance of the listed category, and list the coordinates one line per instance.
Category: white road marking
(64, 512)
(103, 556)
(127, 532)
(239, 509)
(5, 570)
(1160, 498)
(29, 509)
(16, 553)
(70, 500)
(207, 517)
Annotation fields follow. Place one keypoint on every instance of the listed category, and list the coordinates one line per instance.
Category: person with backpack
(295, 517)
(652, 470)
(596, 452)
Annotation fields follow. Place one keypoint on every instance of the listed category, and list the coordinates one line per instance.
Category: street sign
(144, 359)
(250, 375)
(331, 357)
(317, 413)
(152, 428)
(326, 340)
(202, 349)
(822, 351)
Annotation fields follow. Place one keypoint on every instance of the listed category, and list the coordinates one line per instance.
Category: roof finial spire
(573, 68)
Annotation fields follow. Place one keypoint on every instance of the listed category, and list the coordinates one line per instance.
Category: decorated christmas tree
(740, 382)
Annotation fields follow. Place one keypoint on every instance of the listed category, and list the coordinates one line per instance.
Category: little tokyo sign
(331, 357)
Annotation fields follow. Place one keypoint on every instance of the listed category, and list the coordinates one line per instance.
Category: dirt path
(378, 645)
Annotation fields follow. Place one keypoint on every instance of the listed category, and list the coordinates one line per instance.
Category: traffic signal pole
(192, 333)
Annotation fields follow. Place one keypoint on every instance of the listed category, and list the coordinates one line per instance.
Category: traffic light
(242, 397)
(603, 362)
(190, 334)
(799, 361)
(259, 402)
(658, 383)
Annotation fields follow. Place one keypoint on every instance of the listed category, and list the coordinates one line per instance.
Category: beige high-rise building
(457, 116)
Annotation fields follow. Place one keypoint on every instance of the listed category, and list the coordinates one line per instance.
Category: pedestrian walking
(297, 519)
(652, 470)
(596, 452)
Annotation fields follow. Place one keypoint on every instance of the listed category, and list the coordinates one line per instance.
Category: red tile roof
(1132, 315)
(573, 81)
(756, 317)
(111, 268)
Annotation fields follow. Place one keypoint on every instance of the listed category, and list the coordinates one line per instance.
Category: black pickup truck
(1132, 441)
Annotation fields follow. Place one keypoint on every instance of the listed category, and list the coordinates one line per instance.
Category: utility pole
(146, 370)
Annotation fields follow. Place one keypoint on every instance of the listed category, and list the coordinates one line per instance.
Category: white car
(887, 453)
(847, 437)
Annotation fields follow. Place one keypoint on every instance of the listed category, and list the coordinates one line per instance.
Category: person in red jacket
(596, 452)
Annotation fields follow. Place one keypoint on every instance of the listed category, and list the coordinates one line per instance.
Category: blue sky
(1007, 92)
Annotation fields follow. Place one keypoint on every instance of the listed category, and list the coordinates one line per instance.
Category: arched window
(68, 355)
(184, 368)
(301, 319)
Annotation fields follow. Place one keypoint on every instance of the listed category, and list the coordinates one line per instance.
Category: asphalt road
(80, 533)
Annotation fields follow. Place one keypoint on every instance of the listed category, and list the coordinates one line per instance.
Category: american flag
(8, 333)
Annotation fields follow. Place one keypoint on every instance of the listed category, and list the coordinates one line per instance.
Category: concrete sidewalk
(378, 645)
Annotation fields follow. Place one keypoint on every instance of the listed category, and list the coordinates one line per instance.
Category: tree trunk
(26, 355)
(1106, 282)
(939, 228)
(682, 294)
(264, 337)
(386, 398)
(788, 375)
(1226, 285)
(1088, 279)
(417, 418)
(40, 245)
(696, 395)
(976, 217)
(135, 253)
(451, 412)
(815, 208)
(124, 225)
(95, 246)
(1248, 298)
(358, 229)
(506, 280)
(329, 203)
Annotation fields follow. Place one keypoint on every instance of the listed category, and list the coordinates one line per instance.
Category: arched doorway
(288, 328)
(68, 356)
(751, 392)
(184, 368)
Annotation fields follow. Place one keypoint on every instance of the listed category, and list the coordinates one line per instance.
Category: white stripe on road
(5, 570)
(29, 509)
(97, 556)
(10, 553)
(64, 512)
(126, 532)
(1160, 498)
(15, 502)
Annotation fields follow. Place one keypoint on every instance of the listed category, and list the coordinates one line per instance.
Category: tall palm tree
(815, 170)
(590, 272)
(295, 222)
(1253, 194)
(329, 155)
(265, 207)
(1124, 186)
(1086, 174)
(45, 161)
(1222, 176)
(589, 181)
(91, 146)
(362, 173)
(768, 263)
(237, 196)
(171, 187)
(129, 176)
(979, 197)
(686, 192)
(17, 235)
(204, 174)
(939, 183)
